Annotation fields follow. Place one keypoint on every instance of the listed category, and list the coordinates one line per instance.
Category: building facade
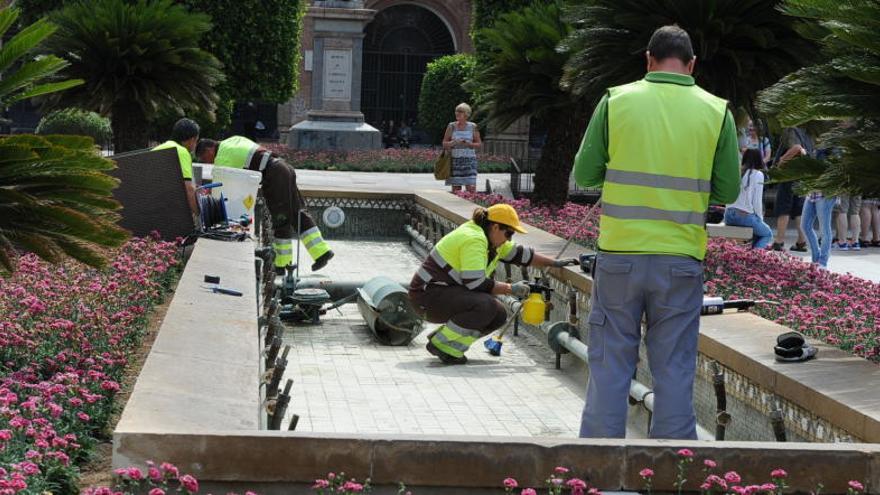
(403, 37)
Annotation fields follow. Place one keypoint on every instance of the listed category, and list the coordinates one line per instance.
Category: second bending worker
(282, 196)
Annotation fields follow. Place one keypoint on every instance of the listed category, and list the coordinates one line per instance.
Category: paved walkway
(381, 180)
(864, 264)
(344, 382)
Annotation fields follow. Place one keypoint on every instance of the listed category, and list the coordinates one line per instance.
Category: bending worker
(283, 198)
(662, 148)
(184, 136)
(454, 285)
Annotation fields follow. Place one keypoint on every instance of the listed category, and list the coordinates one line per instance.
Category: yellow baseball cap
(505, 215)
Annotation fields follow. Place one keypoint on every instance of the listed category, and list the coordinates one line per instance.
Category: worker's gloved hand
(520, 289)
(565, 262)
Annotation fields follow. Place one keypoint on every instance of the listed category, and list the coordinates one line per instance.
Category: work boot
(446, 358)
(322, 261)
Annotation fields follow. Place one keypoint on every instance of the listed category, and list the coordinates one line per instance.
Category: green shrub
(76, 122)
(442, 90)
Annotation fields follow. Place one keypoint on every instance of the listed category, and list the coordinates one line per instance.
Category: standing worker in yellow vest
(184, 136)
(454, 285)
(662, 148)
(283, 198)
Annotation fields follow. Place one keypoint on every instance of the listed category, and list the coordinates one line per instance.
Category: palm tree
(55, 199)
(521, 78)
(33, 75)
(54, 196)
(137, 59)
(742, 46)
(845, 86)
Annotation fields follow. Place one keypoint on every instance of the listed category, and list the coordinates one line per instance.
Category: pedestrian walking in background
(751, 141)
(870, 235)
(661, 148)
(848, 210)
(818, 206)
(463, 138)
(748, 210)
(794, 142)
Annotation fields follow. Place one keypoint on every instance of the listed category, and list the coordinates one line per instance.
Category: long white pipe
(637, 390)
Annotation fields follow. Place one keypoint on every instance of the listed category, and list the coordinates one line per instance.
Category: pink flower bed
(384, 160)
(66, 335)
(842, 310)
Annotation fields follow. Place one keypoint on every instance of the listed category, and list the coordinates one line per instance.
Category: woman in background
(748, 210)
(463, 138)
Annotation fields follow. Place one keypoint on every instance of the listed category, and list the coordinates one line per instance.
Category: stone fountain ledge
(196, 403)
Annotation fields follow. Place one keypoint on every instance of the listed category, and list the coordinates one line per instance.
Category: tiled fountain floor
(344, 382)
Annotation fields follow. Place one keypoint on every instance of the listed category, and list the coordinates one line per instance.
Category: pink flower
(768, 487)
(189, 483)
(560, 470)
(154, 474)
(575, 483)
(169, 469)
(778, 473)
(710, 464)
(83, 417)
(685, 453)
(510, 483)
(320, 484)
(646, 473)
(351, 486)
(732, 477)
(856, 486)
(157, 491)
(528, 491)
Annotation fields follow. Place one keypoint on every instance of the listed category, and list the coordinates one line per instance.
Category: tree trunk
(564, 135)
(130, 128)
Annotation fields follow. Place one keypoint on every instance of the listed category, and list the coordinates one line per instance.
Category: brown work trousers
(478, 311)
(284, 200)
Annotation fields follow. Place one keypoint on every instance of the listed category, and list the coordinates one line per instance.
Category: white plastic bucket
(240, 189)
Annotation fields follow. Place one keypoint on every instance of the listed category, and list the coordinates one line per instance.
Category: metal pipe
(778, 422)
(722, 417)
(563, 334)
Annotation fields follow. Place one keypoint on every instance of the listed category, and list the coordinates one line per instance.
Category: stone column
(335, 120)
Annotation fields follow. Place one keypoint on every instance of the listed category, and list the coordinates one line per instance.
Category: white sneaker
(856, 246)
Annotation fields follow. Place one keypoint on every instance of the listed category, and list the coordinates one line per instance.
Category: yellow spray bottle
(533, 309)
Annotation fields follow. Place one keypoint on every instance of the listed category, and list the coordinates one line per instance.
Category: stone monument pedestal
(335, 120)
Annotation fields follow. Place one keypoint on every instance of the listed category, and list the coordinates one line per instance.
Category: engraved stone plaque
(337, 75)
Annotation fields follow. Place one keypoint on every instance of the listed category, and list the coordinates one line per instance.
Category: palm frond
(742, 46)
(844, 87)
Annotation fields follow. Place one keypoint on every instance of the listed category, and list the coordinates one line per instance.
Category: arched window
(399, 43)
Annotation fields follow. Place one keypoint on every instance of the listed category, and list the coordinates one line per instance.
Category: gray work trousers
(668, 291)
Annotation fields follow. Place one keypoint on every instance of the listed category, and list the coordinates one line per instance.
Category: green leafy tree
(442, 89)
(138, 59)
(258, 43)
(844, 86)
(742, 46)
(522, 78)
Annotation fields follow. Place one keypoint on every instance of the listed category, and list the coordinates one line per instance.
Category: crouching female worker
(454, 285)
